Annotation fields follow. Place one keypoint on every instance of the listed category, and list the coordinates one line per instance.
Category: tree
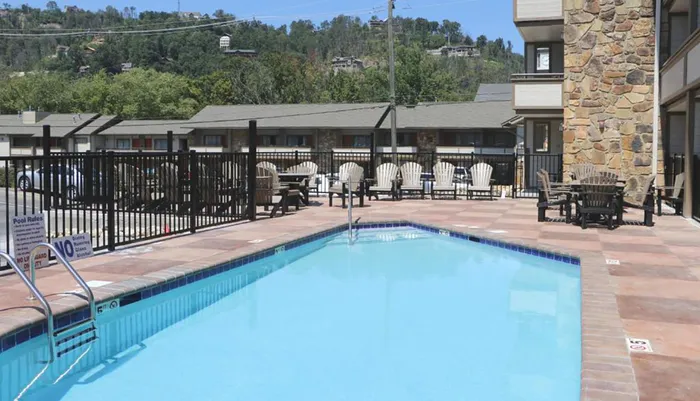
(52, 6)
(481, 41)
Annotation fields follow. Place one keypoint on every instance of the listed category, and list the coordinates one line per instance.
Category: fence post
(194, 191)
(296, 157)
(515, 174)
(111, 230)
(46, 176)
(89, 184)
(372, 156)
(170, 141)
(252, 162)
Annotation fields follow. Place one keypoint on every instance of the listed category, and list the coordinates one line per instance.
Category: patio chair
(582, 171)
(643, 200)
(312, 184)
(168, 183)
(597, 198)
(481, 181)
(266, 194)
(411, 173)
(131, 186)
(267, 165)
(353, 180)
(444, 180)
(552, 196)
(676, 197)
(385, 181)
(291, 194)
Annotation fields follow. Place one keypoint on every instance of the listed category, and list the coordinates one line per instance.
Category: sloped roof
(455, 115)
(147, 127)
(61, 124)
(96, 125)
(357, 116)
(364, 115)
(491, 92)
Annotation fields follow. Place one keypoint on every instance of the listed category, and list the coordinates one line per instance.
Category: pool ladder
(60, 341)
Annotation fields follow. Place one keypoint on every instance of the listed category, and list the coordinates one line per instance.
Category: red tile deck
(654, 292)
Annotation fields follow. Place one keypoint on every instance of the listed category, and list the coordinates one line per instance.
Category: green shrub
(11, 178)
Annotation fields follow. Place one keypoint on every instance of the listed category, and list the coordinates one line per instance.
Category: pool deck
(653, 293)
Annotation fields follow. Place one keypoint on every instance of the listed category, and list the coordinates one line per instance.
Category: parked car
(70, 180)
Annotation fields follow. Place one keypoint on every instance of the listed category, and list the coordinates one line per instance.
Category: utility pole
(392, 83)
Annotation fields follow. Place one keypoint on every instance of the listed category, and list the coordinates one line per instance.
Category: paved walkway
(654, 292)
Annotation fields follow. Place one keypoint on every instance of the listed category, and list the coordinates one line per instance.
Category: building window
(499, 139)
(542, 59)
(267, 140)
(468, 139)
(678, 28)
(541, 137)
(405, 139)
(160, 144)
(123, 144)
(357, 141)
(81, 140)
(22, 142)
(213, 140)
(299, 140)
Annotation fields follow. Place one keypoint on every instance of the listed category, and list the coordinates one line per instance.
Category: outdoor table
(295, 180)
(576, 187)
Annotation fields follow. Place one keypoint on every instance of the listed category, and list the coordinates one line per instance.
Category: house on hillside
(347, 64)
(456, 51)
(249, 53)
(189, 15)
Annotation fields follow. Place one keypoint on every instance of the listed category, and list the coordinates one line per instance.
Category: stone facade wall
(608, 85)
(239, 139)
(326, 140)
(426, 141)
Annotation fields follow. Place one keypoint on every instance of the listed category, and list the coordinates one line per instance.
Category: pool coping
(606, 367)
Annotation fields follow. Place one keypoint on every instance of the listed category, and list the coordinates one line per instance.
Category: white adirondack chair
(385, 181)
(481, 180)
(313, 170)
(344, 171)
(267, 165)
(444, 180)
(353, 179)
(411, 173)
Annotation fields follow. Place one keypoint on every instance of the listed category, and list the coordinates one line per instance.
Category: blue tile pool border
(24, 334)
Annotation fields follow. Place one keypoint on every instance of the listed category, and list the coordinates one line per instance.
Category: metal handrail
(350, 209)
(47, 309)
(69, 267)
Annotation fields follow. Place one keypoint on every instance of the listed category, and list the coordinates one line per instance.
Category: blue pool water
(400, 315)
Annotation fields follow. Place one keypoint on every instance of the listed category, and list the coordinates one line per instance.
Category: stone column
(239, 140)
(608, 85)
(426, 141)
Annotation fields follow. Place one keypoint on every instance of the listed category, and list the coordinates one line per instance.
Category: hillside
(177, 70)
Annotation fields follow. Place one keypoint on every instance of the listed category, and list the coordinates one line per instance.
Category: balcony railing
(537, 91)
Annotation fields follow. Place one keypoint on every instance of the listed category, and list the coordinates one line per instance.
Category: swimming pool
(402, 314)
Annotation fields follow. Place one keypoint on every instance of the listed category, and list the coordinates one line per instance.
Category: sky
(493, 18)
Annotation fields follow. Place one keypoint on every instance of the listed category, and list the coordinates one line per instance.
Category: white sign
(27, 232)
(639, 345)
(74, 247)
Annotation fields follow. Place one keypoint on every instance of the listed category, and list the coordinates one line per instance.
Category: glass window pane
(543, 59)
(541, 137)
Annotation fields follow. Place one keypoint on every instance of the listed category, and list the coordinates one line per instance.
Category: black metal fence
(514, 173)
(121, 198)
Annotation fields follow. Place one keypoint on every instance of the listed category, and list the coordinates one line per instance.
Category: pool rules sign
(29, 231)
